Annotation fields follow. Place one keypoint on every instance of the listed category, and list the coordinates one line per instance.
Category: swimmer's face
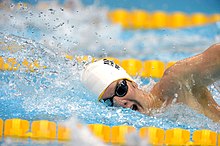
(126, 94)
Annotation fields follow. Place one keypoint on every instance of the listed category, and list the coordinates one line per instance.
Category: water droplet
(12, 5)
(175, 95)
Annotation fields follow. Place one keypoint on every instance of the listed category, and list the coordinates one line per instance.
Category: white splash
(76, 29)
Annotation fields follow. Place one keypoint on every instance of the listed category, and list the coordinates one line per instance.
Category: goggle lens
(120, 91)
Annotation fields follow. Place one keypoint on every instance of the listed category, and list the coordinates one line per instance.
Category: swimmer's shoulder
(168, 84)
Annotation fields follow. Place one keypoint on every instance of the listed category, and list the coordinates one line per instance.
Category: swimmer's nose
(122, 103)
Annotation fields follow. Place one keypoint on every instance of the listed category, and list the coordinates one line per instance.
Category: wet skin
(186, 81)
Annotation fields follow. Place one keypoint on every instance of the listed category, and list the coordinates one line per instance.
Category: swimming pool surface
(55, 93)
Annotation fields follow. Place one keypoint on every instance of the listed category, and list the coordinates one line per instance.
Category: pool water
(55, 93)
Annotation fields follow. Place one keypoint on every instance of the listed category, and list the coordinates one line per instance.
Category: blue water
(56, 93)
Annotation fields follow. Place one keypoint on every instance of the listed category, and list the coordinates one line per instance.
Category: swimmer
(186, 82)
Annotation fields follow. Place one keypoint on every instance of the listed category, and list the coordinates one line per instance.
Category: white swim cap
(97, 76)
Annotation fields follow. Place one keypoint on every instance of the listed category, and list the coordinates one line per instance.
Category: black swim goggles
(120, 91)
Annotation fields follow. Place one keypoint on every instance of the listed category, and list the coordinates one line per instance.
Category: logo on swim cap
(98, 75)
(111, 63)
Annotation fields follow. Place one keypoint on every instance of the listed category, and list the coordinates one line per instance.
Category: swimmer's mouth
(134, 107)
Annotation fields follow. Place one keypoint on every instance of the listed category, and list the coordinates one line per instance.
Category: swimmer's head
(98, 75)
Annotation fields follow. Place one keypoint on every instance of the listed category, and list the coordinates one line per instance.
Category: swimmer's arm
(200, 70)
